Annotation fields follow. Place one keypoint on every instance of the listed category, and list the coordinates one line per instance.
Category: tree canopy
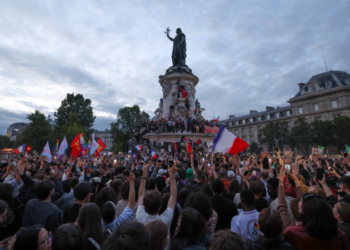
(126, 125)
(81, 107)
(38, 132)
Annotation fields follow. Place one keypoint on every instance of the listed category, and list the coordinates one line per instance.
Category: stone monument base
(176, 137)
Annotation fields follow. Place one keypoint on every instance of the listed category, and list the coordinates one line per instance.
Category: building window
(316, 108)
(251, 130)
(243, 131)
(259, 127)
(247, 120)
(230, 124)
(328, 84)
(236, 131)
(300, 109)
(318, 119)
(259, 118)
(313, 88)
(243, 138)
(277, 115)
(335, 104)
(251, 119)
(243, 121)
(252, 139)
(268, 117)
(288, 113)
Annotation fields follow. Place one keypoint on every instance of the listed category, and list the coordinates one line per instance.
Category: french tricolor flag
(20, 149)
(137, 147)
(227, 142)
(153, 154)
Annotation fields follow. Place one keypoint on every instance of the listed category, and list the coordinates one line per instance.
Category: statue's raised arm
(179, 47)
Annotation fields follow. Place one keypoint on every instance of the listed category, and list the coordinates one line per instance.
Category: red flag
(76, 146)
(175, 148)
(199, 142)
(101, 146)
(189, 148)
(184, 93)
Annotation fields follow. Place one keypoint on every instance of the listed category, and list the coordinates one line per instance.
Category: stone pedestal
(173, 102)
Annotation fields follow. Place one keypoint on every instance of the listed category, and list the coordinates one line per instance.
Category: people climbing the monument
(184, 200)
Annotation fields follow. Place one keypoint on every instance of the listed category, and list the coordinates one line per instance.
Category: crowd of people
(213, 201)
(176, 125)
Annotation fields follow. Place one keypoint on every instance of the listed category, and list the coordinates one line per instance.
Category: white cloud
(247, 54)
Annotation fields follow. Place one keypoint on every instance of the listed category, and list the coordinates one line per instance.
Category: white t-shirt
(145, 218)
(246, 224)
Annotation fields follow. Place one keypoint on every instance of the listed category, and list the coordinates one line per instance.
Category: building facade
(324, 97)
(15, 129)
(106, 137)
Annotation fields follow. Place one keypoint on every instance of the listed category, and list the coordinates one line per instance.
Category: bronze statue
(179, 48)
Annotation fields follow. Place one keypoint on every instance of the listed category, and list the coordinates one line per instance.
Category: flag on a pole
(199, 142)
(20, 149)
(217, 119)
(189, 148)
(138, 148)
(153, 154)
(320, 147)
(347, 148)
(94, 144)
(76, 146)
(82, 141)
(63, 147)
(56, 147)
(227, 142)
(175, 148)
(47, 152)
(100, 147)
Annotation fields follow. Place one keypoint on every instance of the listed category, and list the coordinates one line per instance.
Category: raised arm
(173, 187)
(131, 180)
(142, 186)
(171, 39)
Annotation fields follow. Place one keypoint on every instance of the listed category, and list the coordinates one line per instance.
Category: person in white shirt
(149, 204)
(246, 223)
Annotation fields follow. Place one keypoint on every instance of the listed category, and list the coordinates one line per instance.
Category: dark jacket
(225, 209)
(277, 244)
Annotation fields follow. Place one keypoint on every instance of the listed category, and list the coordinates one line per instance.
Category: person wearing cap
(189, 175)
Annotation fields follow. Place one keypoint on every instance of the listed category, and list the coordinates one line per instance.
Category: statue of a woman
(179, 47)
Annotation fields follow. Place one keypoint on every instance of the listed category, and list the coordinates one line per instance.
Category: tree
(70, 129)
(301, 135)
(126, 125)
(6, 143)
(322, 133)
(341, 125)
(274, 134)
(254, 148)
(79, 105)
(38, 132)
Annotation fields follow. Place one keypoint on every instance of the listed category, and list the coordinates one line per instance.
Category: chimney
(301, 85)
(253, 112)
(231, 117)
(268, 108)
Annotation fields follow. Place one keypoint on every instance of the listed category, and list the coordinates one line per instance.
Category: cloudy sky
(247, 54)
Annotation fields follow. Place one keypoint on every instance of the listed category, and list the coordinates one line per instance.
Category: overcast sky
(247, 54)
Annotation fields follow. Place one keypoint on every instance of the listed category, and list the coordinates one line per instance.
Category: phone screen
(319, 173)
(287, 167)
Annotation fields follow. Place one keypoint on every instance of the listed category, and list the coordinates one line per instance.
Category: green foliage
(341, 135)
(81, 107)
(38, 132)
(6, 143)
(274, 134)
(254, 148)
(126, 125)
(301, 135)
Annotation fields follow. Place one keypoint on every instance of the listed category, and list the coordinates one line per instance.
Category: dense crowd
(197, 201)
(176, 125)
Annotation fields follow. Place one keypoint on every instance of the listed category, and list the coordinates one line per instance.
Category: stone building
(323, 97)
(15, 129)
(106, 137)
